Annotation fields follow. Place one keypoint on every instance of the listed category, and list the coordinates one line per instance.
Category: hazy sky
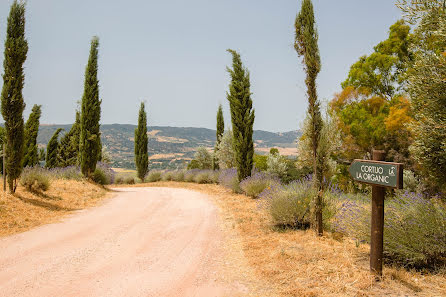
(172, 54)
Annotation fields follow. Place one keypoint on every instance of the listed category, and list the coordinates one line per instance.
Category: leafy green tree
(203, 158)
(141, 144)
(415, 10)
(242, 116)
(31, 131)
(306, 45)
(69, 145)
(90, 138)
(382, 73)
(16, 49)
(427, 90)
(220, 131)
(260, 162)
(52, 150)
(225, 151)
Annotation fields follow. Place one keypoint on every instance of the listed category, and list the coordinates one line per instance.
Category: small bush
(108, 172)
(257, 183)
(70, 173)
(229, 179)
(35, 179)
(100, 177)
(119, 180)
(204, 177)
(130, 180)
(290, 205)
(154, 176)
(167, 176)
(414, 229)
(178, 175)
(189, 176)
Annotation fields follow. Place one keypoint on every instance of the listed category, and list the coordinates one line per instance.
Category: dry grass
(24, 210)
(298, 263)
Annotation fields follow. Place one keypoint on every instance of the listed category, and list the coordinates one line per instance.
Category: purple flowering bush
(256, 183)
(104, 174)
(414, 229)
(205, 177)
(69, 172)
(229, 179)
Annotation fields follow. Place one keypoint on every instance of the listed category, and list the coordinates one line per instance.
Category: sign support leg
(377, 230)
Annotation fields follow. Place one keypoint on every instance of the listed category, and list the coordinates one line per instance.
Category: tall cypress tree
(52, 150)
(242, 116)
(90, 114)
(220, 131)
(31, 131)
(69, 145)
(141, 144)
(16, 49)
(306, 45)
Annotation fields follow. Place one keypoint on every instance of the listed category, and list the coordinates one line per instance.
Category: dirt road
(143, 242)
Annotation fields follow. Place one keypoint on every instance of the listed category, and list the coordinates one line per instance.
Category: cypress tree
(141, 144)
(31, 131)
(220, 131)
(90, 114)
(52, 150)
(306, 45)
(16, 49)
(242, 116)
(69, 145)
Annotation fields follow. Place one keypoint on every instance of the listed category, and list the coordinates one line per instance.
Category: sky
(172, 55)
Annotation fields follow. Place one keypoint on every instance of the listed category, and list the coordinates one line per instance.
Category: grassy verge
(26, 210)
(297, 263)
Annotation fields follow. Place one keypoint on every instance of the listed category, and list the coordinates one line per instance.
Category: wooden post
(377, 230)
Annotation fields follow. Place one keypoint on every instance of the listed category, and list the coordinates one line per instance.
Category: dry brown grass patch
(298, 263)
(25, 210)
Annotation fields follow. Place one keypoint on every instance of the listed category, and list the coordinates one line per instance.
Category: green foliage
(203, 159)
(193, 164)
(255, 184)
(35, 179)
(260, 162)
(276, 165)
(414, 10)
(129, 180)
(90, 145)
(16, 49)
(428, 92)
(52, 150)
(154, 176)
(42, 154)
(383, 71)
(167, 176)
(205, 177)
(306, 45)
(178, 175)
(100, 177)
(220, 131)
(31, 157)
(69, 145)
(2, 143)
(225, 151)
(242, 116)
(141, 144)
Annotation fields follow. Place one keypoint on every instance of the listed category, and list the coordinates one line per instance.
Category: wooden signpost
(380, 175)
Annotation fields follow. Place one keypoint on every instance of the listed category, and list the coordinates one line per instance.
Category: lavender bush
(229, 179)
(414, 229)
(154, 176)
(70, 172)
(35, 179)
(257, 183)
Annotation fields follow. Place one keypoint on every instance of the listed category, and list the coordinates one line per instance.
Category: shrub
(414, 229)
(225, 151)
(202, 159)
(119, 180)
(276, 165)
(107, 171)
(167, 176)
(229, 179)
(100, 177)
(70, 172)
(130, 180)
(204, 177)
(35, 179)
(178, 175)
(189, 176)
(257, 183)
(289, 205)
(154, 176)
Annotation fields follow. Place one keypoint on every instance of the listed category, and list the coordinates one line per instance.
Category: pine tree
(220, 131)
(141, 144)
(31, 131)
(306, 46)
(52, 150)
(90, 114)
(242, 116)
(16, 49)
(69, 145)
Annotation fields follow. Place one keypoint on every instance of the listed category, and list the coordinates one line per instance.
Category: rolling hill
(170, 147)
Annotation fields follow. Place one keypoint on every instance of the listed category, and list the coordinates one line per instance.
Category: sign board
(377, 173)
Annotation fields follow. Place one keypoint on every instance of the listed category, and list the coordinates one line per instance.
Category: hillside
(170, 147)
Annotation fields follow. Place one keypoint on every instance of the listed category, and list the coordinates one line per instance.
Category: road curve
(143, 242)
